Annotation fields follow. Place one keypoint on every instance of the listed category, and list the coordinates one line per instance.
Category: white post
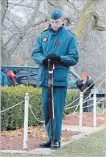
(94, 108)
(81, 109)
(25, 141)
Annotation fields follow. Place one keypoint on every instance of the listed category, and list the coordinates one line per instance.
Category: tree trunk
(5, 57)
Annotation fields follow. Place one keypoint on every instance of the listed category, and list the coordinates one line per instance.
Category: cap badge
(45, 39)
(57, 12)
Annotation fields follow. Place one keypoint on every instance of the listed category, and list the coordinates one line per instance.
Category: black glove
(89, 82)
(45, 62)
(79, 83)
(54, 58)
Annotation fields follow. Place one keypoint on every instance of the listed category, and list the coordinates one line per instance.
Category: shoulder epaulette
(71, 32)
(45, 30)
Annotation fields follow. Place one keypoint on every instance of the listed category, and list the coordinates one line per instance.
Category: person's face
(56, 24)
(84, 78)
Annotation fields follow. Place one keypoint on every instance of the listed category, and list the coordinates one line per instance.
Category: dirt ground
(13, 140)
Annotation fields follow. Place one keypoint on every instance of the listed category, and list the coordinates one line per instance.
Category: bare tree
(18, 35)
(4, 4)
(82, 18)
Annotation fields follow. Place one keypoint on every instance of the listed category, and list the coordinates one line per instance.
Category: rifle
(50, 101)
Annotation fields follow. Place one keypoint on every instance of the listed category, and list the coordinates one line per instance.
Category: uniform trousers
(59, 97)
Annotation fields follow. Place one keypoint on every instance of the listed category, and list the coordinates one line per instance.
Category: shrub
(14, 117)
(72, 95)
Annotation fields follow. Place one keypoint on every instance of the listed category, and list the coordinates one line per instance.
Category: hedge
(14, 118)
(72, 95)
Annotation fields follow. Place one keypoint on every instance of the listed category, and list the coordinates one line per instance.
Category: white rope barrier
(39, 121)
(88, 106)
(70, 107)
(26, 110)
(12, 107)
(96, 88)
(94, 108)
(88, 88)
(101, 83)
(87, 100)
(75, 109)
(72, 102)
(101, 100)
(92, 104)
(95, 81)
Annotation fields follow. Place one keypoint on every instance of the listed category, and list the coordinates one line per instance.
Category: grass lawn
(93, 145)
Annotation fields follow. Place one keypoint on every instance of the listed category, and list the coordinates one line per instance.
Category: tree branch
(4, 7)
(26, 27)
(12, 22)
(71, 4)
(11, 38)
(15, 5)
(51, 4)
(21, 5)
(95, 25)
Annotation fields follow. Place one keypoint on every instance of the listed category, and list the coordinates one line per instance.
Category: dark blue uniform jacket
(62, 43)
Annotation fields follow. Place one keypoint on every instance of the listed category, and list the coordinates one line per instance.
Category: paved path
(44, 151)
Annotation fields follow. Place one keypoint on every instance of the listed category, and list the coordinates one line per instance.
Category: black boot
(56, 144)
(45, 144)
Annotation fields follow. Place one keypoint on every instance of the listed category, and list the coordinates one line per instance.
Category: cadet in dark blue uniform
(59, 45)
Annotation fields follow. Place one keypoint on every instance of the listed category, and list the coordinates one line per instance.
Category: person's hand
(16, 83)
(79, 83)
(54, 58)
(45, 62)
